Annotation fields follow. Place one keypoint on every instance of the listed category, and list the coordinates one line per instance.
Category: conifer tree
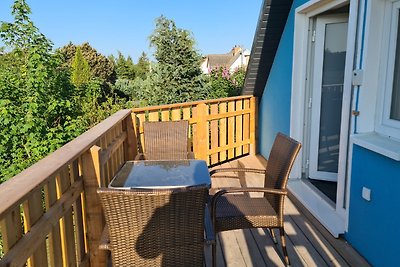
(177, 76)
(80, 69)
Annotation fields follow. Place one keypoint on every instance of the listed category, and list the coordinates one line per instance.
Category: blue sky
(124, 25)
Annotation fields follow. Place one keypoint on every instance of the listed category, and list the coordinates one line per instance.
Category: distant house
(327, 72)
(234, 59)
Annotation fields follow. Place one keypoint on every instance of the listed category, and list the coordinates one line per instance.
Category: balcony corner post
(92, 179)
(253, 126)
(202, 132)
(130, 145)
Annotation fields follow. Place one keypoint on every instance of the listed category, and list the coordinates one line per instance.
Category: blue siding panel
(374, 226)
(274, 109)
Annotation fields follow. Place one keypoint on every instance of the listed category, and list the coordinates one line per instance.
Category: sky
(125, 25)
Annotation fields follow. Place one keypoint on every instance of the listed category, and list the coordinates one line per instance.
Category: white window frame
(384, 124)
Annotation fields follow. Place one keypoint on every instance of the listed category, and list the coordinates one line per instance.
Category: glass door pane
(334, 58)
(327, 96)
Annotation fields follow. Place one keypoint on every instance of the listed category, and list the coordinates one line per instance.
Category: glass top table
(159, 174)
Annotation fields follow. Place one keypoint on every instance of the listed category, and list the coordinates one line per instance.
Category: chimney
(235, 50)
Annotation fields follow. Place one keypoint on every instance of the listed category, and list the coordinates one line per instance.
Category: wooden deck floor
(308, 243)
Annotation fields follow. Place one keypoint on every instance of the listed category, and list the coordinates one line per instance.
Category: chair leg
(283, 241)
(272, 233)
(214, 254)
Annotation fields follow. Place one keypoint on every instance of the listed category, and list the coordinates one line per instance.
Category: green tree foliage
(80, 69)
(101, 67)
(125, 67)
(224, 84)
(143, 66)
(176, 77)
(34, 111)
(40, 109)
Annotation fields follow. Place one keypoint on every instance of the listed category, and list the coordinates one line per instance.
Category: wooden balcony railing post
(253, 125)
(202, 132)
(130, 145)
(92, 177)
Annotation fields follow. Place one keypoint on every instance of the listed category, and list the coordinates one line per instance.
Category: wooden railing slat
(66, 223)
(239, 127)
(246, 125)
(54, 239)
(176, 114)
(33, 210)
(11, 228)
(231, 130)
(78, 217)
(214, 134)
(222, 131)
(112, 148)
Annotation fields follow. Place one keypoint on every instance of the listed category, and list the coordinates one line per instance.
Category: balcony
(50, 214)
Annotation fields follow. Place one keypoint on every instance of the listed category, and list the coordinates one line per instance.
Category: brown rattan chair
(149, 227)
(166, 140)
(234, 208)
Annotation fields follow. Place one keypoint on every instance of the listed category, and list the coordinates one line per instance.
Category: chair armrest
(208, 227)
(104, 240)
(140, 156)
(237, 170)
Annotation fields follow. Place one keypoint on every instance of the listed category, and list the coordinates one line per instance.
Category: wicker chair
(166, 140)
(162, 227)
(241, 211)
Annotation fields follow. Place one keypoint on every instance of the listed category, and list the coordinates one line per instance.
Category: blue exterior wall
(374, 225)
(274, 109)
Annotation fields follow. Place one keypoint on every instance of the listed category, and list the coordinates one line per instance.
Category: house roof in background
(271, 23)
(220, 59)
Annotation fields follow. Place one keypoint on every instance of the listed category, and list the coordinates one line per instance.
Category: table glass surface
(162, 174)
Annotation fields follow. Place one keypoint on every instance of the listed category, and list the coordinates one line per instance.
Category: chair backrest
(155, 227)
(280, 161)
(166, 140)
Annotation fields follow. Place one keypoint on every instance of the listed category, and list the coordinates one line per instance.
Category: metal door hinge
(313, 36)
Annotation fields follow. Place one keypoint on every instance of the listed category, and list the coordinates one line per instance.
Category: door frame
(334, 218)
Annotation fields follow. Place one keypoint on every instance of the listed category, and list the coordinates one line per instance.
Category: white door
(327, 96)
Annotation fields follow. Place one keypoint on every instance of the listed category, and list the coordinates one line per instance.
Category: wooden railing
(220, 129)
(50, 214)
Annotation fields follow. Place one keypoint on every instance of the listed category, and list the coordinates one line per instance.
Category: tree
(80, 69)
(125, 67)
(143, 66)
(34, 93)
(40, 109)
(177, 75)
(100, 66)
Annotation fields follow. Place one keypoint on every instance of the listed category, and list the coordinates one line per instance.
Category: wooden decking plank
(348, 253)
(232, 253)
(267, 248)
(322, 246)
(248, 246)
(302, 244)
